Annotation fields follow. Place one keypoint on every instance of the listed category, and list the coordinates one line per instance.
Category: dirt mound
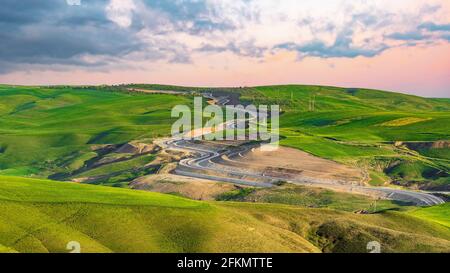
(441, 144)
(282, 172)
(136, 148)
(102, 149)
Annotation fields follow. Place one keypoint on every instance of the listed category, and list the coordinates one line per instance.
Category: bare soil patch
(292, 163)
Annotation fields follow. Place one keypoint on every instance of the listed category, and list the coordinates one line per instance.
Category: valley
(357, 161)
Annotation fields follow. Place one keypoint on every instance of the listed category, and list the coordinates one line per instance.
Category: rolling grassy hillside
(371, 128)
(46, 131)
(357, 115)
(65, 131)
(49, 130)
(43, 216)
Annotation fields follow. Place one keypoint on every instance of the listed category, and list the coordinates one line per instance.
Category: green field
(44, 131)
(43, 216)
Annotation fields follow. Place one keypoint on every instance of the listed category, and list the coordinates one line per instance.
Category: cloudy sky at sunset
(401, 45)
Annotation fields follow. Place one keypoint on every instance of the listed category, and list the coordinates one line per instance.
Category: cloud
(192, 16)
(58, 34)
(52, 34)
(408, 36)
(342, 47)
(334, 39)
(121, 12)
(425, 32)
(244, 49)
(105, 33)
(363, 30)
(430, 26)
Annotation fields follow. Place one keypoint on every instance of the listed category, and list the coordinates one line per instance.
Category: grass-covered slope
(303, 196)
(439, 214)
(398, 138)
(49, 130)
(375, 129)
(357, 114)
(43, 216)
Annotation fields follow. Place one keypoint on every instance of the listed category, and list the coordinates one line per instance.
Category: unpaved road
(207, 164)
(224, 165)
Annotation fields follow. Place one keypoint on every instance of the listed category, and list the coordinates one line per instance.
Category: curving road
(207, 163)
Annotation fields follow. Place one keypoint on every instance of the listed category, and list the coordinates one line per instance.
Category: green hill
(43, 216)
(49, 130)
(376, 130)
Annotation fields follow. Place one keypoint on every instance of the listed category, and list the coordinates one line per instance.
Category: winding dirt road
(208, 163)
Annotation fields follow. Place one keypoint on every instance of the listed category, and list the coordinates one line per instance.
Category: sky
(401, 45)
